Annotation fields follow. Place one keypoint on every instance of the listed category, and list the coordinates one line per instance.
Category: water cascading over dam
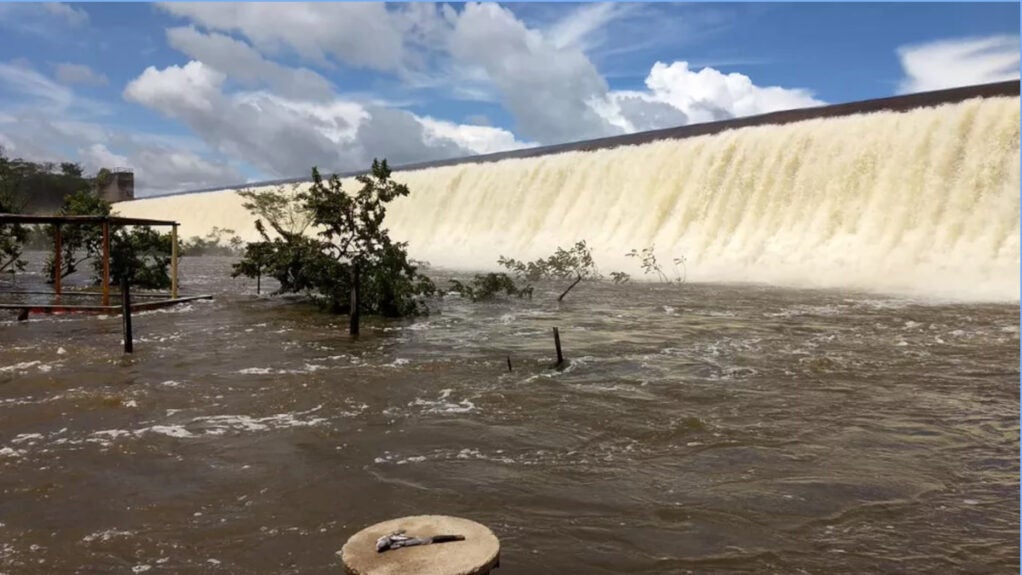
(923, 201)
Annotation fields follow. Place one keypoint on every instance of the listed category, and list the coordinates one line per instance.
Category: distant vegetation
(39, 187)
(46, 187)
(218, 242)
(140, 254)
(486, 286)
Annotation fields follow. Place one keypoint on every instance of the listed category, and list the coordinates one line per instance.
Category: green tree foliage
(218, 242)
(34, 187)
(12, 236)
(285, 252)
(353, 236)
(79, 243)
(487, 286)
(39, 187)
(103, 178)
(576, 261)
(350, 245)
(141, 255)
(12, 239)
(619, 277)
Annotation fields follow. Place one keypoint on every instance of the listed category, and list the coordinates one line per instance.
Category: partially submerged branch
(575, 283)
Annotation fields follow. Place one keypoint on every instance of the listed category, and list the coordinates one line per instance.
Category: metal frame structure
(105, 222)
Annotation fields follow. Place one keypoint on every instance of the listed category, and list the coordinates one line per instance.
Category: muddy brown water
(698, 429)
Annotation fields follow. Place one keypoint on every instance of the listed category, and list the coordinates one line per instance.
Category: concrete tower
(121, 186)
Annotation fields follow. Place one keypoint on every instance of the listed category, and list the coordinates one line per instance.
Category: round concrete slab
(476, 555)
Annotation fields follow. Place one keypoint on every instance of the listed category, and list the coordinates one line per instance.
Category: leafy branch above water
(576, 262)
(650, 266)
(486, 286)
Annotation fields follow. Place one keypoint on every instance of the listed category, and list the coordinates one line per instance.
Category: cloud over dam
(923, 202)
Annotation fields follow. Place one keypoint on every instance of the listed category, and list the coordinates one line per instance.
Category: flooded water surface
(698, 428)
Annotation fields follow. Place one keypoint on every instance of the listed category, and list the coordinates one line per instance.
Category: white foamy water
(922, 202)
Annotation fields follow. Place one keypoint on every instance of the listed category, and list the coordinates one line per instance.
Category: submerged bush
(350, 249)
(487, 286)
(218, 242)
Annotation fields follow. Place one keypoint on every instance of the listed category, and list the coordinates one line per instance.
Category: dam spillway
(916, 194)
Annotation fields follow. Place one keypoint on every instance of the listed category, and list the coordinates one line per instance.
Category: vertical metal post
(173, 261)
(557, 344)
(106, 263)
(126, 315)
(57, 271)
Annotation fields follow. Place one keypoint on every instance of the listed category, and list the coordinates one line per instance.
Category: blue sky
(206, 94)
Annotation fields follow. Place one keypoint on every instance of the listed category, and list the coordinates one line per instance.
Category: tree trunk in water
(569, 288)
(355, 280)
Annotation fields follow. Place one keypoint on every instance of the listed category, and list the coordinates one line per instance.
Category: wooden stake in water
(557, 344)
(509, 364)
(126, 315)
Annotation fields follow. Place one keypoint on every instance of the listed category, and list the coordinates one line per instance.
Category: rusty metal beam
(61, 308)
(173, 261)
(106, 263)
(56, 220)
(57, 271)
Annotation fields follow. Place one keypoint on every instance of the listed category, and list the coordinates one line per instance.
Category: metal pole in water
(106, 263)
(173, 261)
(126, 315)
(57, 265)
(557, 344)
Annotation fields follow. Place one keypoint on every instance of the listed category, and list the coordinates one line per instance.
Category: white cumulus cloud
(246, 65)
(356, 33)
(958, 62)
(284, 137)
(708, 94)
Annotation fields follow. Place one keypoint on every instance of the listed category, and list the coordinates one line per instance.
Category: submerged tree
(140, 255)
(12, 236)
(487, 286)
(351, 265)
(575, 262)
(79, 243)
(650, 265)
(222, 242)
(285, 252)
